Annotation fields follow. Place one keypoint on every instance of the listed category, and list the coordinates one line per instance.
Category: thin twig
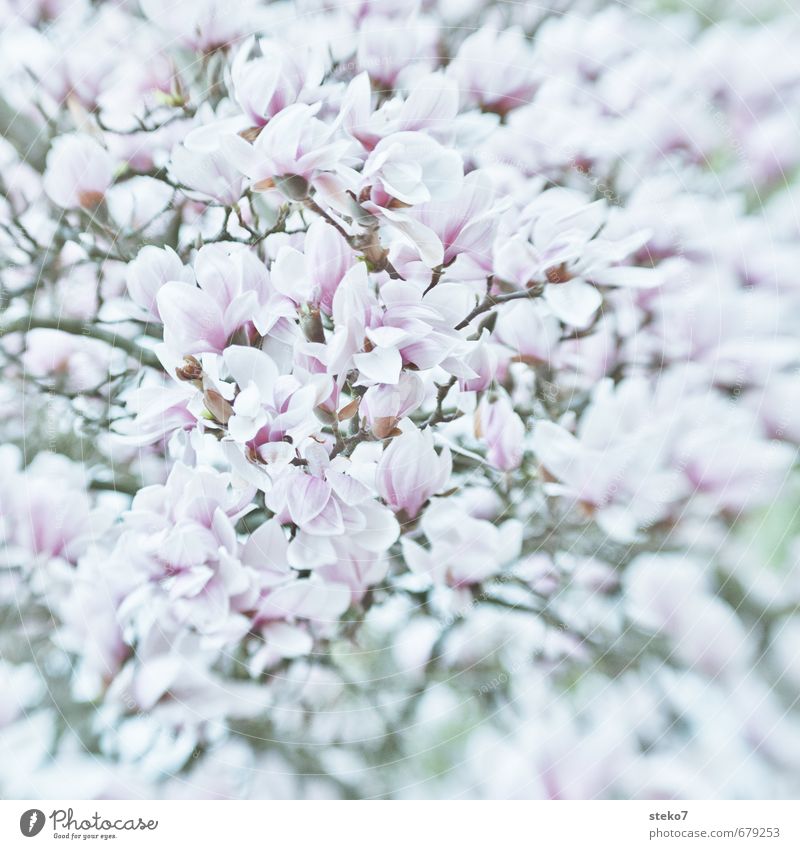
(491, 301)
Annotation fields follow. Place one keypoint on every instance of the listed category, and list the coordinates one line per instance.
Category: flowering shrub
(399, 400)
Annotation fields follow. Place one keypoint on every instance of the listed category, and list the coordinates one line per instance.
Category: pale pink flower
(79, 172)
(495, 69)
(276, 77)
(204, 25)
(289, 152)
(51, 510)
(730, 468)
(200, 165)
(463, 549)
(412, 168)
(152, 268)
(385, 45)
(232, 283)
(159, 411)
(313, 276)
(442, 229)
(431, 105)
(410, 471)
(383, 405)
(330, 258)
(357, 567)
(90, 628)
(564, 252)
(619, 464)
(529, 329)
(503, 431)
(482, 358)
(270, 406)
(76, 363)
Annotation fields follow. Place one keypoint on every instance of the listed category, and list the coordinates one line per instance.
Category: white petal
(574, 302)
(381, 365)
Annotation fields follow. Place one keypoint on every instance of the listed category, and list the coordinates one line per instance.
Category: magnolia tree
(399, 400)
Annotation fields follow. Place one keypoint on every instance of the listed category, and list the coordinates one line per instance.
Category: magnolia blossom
(463, 549)
(386, 43)
(79, 172)
(464, 224)
(202, 26)
(503, 82)
(232, 282)
(330, 258)
(431, 104)
(565, 250)
(384, 404)
(147, 274)
(289, 152)
(410, 471)
(411, 168)
(60, 358)
(47, 522)
(199, 164)
(529, 329)
(619, 464)
(268, 406)
(376, 370)
(503, 430)
(265, 84)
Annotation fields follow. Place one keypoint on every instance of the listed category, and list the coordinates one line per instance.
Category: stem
(436, 276)
(125, 485)
(491, 301)
(442, 390)
(315, 207)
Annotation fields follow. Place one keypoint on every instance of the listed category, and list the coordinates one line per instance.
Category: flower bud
(385, 404)
(191, 371)
(219, 408)
(79, 171)
(482, 359)
(329, 257)
(503, 430)
(410, 471)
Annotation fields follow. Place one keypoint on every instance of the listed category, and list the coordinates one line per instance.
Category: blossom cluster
(398, 400)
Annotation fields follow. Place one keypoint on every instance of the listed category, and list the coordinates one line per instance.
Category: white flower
(79, 172)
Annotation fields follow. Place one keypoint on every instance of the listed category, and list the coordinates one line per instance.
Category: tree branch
(23, 135)
(491, 301)
(77, 327)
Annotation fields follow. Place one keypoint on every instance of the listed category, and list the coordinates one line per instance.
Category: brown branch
(491, 301)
